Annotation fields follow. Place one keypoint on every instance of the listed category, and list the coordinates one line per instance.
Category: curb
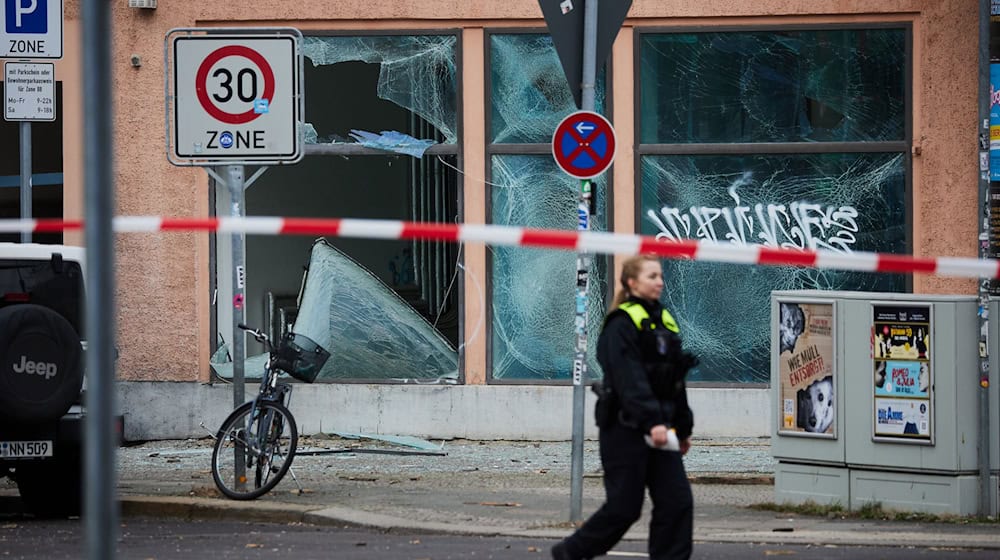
(731, 479)
(207, 508)
(853, 535)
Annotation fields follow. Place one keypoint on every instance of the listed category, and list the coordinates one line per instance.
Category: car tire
(41, 369)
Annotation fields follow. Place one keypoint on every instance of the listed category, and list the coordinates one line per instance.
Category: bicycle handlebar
(257, 333)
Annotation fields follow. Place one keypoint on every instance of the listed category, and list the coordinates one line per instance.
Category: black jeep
(41, 374)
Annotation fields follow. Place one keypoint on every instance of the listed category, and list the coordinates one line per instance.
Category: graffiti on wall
(798, 224)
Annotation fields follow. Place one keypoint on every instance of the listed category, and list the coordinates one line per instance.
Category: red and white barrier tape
(586, 242)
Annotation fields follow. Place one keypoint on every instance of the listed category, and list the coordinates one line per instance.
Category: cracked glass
(773, 86)
(416, 72)
(533, 302)
(533, 307)
(820, 87)
(838, 202)
(529, 93)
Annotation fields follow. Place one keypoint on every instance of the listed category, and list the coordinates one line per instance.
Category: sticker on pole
(584, 145)
(236, 99)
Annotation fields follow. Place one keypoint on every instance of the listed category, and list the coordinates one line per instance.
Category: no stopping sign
(236, 98)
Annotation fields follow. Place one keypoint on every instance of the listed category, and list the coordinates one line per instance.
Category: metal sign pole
(25, 177)
(582, 275)
(101, 507)
(234, 180)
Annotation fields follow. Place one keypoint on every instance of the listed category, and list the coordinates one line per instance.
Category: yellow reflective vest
(638, 314)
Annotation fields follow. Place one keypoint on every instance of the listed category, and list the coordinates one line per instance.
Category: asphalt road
(168, 539)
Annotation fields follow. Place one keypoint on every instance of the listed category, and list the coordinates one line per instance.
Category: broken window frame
(901, 146)
(496, 150)
(347, 149)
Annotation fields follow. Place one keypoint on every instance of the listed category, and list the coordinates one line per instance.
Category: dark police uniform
(644, 368)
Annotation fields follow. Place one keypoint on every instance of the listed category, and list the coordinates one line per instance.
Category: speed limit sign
(237, 97)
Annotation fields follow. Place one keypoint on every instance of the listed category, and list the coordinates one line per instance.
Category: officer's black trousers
(629, 467)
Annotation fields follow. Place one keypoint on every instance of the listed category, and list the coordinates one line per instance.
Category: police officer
(645, 423)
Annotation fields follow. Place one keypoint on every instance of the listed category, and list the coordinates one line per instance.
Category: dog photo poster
(805, 366)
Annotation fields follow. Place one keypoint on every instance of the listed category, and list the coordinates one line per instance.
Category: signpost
(29, 29)
(584, 147)
(235, 98)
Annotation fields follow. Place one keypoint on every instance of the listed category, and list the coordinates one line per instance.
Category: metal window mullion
(768, 148)
(442, 216)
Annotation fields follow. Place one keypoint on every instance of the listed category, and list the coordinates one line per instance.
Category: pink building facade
(735, 122)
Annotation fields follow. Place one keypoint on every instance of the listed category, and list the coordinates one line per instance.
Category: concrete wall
(177, 410)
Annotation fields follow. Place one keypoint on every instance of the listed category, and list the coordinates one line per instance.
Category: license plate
(25, 449)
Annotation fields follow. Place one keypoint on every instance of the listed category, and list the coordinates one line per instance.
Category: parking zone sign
(31, 29)
(236, 98)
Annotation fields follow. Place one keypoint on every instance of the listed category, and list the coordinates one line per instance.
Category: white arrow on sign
(582, 126)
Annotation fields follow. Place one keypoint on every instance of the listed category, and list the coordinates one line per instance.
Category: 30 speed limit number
(236, 98)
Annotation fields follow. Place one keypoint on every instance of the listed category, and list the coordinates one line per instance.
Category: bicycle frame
(256, 430)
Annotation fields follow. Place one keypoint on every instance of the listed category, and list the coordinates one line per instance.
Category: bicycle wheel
(265, 438)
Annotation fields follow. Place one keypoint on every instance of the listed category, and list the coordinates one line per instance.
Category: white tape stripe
(254, 225)
(493, 235)
(863, 262)
(608, 243)
(727, 253)
(591, 242)
(17, 226)
(137, 223)
(371, 229)
(972, 268)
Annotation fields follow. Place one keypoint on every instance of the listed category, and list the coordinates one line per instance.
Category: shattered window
(529, 93)
(381, 144)
(773, 86)
(417, 72)
(532, 307)
(533, 289)
(747, 99)
(840, 202)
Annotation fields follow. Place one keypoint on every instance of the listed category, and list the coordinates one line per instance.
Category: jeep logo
(47, 369)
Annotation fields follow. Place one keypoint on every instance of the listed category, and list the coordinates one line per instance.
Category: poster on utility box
(805, 365)
(901, 372)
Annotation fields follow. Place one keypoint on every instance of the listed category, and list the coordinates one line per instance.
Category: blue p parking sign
(31, 29)
(26, 16)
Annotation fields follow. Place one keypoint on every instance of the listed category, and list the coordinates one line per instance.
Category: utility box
(875, 400)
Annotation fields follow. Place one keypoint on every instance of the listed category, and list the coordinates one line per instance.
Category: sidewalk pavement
(499, 488)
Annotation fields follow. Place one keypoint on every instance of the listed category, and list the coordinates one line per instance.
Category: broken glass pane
(840, 202)
(533, 304)
(529, 93)
(369, 330)
(773, 86)
(415, 72)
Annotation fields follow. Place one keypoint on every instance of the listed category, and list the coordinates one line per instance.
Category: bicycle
(259, 437)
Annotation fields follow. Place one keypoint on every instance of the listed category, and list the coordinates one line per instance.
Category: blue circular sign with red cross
(584, 145)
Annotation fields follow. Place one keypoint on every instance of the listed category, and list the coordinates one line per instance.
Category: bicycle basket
(300, 357)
